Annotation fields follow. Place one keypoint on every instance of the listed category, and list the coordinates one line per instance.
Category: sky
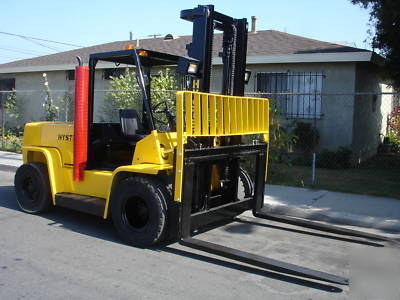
(92, 22)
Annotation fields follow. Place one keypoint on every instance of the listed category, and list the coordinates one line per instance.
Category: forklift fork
(190, 221)
(320, 226)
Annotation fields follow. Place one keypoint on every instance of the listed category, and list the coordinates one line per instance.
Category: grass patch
(379, 176)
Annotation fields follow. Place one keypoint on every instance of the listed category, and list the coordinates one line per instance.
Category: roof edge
(363, 56)
(261, 59)
(48, 68)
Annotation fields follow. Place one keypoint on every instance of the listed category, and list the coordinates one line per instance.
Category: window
(71, 75)
(297, 94)
(113, 72)
(6, 84)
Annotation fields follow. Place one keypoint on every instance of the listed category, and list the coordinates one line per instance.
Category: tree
(66, 106)
(124, 92)
(14, 107)
(50, 110)
(385, 33)
(163, 85)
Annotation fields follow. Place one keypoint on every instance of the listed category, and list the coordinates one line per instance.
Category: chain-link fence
(340, 141)
(346, 142)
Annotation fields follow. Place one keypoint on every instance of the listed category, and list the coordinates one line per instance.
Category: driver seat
(130, 124)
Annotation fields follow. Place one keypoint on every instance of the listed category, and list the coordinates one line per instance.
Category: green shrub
(281, 140)
(11, 141)
(339, 159)
(307, 136)
(394, 140)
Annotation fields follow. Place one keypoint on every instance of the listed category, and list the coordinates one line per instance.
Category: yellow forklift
(158, 185)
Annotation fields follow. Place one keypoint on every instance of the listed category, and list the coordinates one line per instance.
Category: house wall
(336, 124)
(31, 92)
(371, 111)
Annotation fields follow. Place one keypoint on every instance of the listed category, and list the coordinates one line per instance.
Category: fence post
(313, 168)
(2, 126)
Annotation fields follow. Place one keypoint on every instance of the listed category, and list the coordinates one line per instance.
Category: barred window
(297, 94)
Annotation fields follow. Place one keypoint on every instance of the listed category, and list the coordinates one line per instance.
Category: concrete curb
(336, 217)
(7, 168)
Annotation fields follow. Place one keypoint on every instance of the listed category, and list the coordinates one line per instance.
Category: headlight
(188, 66)
(247, 75)
(193, 68)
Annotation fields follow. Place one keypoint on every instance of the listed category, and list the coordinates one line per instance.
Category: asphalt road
(68, 255)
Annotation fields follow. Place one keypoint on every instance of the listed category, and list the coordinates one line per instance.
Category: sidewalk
(333, 207)
(10, 159)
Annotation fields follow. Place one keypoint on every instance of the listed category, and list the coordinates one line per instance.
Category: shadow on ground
(96, 227)
(245, 222)
(66, 218)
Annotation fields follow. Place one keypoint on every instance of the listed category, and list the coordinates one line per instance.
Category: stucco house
(318, 81)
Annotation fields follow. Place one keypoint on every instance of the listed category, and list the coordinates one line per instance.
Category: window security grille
(297, 94)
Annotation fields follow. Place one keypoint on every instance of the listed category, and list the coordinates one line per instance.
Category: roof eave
(37, 69)
(63, 67)
(362, 56)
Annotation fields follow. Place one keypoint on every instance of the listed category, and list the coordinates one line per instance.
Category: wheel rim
(136, 213)
(31, 191)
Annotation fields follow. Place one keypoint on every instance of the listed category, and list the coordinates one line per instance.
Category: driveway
(69, 255)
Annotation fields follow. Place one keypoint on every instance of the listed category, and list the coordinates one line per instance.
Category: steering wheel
(157, 109)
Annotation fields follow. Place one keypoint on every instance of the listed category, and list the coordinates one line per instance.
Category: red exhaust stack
(81, 121)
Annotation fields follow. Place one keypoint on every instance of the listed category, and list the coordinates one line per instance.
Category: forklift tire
(32, 188)
(245, 185)
(139, 211)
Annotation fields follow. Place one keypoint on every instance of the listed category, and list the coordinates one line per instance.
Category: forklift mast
(234, 47)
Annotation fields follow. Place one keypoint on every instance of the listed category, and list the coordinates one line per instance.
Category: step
(88, 204)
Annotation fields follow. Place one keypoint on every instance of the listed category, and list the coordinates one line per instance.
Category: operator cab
(112, 141)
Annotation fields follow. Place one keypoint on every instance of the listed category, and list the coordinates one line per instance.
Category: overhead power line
(41, 44)
(23, 51)
(12, 57)
(39, 39)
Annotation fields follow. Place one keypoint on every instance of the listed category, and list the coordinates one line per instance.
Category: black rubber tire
(139, 211)
(32, 188)
(245, 185)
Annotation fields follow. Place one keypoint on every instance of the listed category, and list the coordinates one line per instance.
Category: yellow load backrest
(204, 114)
